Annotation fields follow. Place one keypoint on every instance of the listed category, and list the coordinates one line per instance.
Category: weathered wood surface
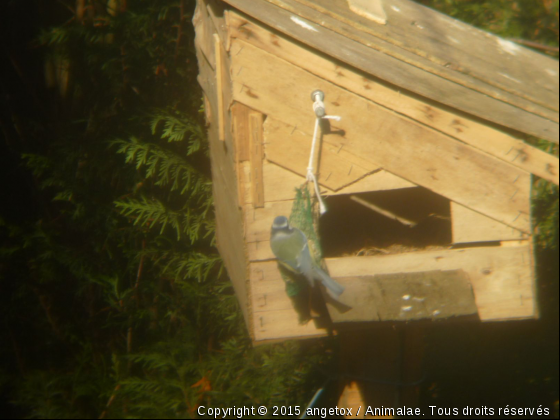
(240, 121)
(259, 220)
(370, 9)
(256, 157)
(229, 218)
(240, 117)
(398, 72)
(280, 183)
(399, 145)
(204, 39)
(290, 147)
(432, 294)
(501, 278)
(492, 141)
(470, 226)
(215, 10)
(448, 48)
(273, 321)
(220, 87)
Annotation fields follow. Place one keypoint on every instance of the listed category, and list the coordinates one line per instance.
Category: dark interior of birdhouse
(385, 222)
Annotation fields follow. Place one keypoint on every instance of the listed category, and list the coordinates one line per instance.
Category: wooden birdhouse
(426, 175)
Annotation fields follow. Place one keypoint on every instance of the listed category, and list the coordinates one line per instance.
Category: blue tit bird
(290, 246)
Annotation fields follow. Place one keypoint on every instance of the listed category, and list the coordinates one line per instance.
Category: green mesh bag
(304, 216)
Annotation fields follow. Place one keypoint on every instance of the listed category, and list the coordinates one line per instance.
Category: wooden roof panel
(451, 45)
(516, 99)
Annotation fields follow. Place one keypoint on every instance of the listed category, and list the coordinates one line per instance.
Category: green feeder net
(304, 216)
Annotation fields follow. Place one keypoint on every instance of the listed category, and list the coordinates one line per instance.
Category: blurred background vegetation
(113, 299)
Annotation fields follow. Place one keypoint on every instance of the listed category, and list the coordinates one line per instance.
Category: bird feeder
(426, 176)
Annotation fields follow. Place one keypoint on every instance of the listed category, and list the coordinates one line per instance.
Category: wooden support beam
(382, 211)
(256, 157)
(229, 218)
(204, 40)
(220, 87)
(240, 117)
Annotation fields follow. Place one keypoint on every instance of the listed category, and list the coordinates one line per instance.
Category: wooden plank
(370, 9)
(289, 147)
(240, 123)
(220, 87)
(259, 220)
(274, 316)
(401, 74)
(431, 294)
(204, 40)
(243, 183)
(502, 277)
(215, 11)
(240, 117)
(229, 218)
(256, 157)
(494, 142)
(470, 226)
(421, 37)
(377, 181)
(399, 145)
(280, 183)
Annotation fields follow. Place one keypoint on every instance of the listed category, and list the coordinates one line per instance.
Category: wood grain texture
(204, 40)
(290, 147)
(502, 277)
(436, 43)
(271, 320)
(220, 87)
(256, 157)
(280, 183)
(259, 220)
(399, 145)
(240, 117)
(470, 226)
(492, 141)
(399, 73)
(370, 9)
(215, 10)
(434, 294)
(229, 217)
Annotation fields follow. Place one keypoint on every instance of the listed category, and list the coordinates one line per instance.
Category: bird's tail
(331, 285)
